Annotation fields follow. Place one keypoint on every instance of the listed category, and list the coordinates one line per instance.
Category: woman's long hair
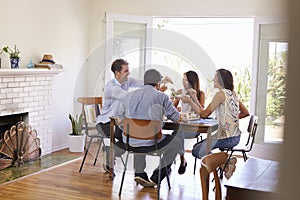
(193, 80)
(225, 79)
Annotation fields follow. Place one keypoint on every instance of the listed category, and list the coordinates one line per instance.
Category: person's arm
(117, 92)
(163, 83)
(166, 79)
(217, 100)
(204, 113)
(170, 111)
(243, 111)
(193, 95)
(175, 102)
(132, 82)
(163, 88)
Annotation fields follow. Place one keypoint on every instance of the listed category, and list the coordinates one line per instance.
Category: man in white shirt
(114, 93)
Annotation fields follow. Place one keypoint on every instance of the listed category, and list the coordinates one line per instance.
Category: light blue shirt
(114, 94)
(147, 103)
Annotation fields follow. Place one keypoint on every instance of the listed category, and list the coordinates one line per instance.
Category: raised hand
(166, 79)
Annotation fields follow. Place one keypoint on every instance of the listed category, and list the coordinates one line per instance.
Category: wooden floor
(65, 183)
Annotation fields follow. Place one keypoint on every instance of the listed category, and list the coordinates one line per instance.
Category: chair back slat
(250, 125)
(254, 126)
(142, 129)
(85, 101)
(253, 133)
(252, 121)
(90, 100)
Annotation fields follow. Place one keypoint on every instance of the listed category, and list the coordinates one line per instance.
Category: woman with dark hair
(228, 110)
(191, 85)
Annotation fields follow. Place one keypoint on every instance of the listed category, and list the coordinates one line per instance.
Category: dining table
(208, 126)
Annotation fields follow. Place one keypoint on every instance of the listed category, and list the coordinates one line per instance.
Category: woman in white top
(228, 110)
(191, 85)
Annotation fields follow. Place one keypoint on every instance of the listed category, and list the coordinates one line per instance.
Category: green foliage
(76, 124)
(13, 53)
(243, 86)
(276, 91)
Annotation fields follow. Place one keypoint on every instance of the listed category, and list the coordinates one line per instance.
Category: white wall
(199, 8)
(58, 27)
(71, 29)
(178, 8)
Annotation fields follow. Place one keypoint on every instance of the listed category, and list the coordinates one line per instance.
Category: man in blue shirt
(149, 103)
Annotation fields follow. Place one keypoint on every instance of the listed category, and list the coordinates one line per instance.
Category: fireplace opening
(7, 121)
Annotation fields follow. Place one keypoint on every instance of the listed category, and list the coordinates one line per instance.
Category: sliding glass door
(271, 83)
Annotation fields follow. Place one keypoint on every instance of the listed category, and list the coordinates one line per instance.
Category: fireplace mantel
(25, 71)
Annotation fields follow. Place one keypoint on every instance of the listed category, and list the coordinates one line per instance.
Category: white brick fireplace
(29, 91)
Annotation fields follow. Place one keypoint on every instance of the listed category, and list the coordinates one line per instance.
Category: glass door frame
(114, 17)
(259, 74)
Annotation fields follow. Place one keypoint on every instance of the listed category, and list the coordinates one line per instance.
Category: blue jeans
(199, 149)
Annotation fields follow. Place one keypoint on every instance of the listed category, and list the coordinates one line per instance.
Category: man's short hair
(117, 65)
(152, 77)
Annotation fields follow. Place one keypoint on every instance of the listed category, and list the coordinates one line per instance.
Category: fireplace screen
(19, 144)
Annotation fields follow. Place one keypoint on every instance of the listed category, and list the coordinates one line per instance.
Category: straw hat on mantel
(47, 59)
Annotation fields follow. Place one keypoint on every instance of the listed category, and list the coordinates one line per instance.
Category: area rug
(43, 163)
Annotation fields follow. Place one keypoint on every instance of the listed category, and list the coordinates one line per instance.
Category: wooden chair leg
(225, 165)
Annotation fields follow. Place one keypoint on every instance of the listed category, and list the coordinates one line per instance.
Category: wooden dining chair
(210, 164)
(89, 126)
(144, 130)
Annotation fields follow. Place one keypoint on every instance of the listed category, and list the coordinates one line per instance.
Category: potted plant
(76, 138)
(14, 55)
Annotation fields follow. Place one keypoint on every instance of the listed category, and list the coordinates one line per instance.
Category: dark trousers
(104, 129)
(169, 146)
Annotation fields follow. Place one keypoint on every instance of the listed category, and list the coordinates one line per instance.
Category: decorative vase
(14, 63)
(76, 143)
